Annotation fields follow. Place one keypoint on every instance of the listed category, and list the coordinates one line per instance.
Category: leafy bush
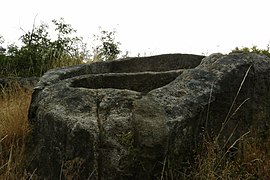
(107, 48)
(39, 52)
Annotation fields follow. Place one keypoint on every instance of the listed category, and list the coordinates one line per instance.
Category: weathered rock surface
(120, 119)
(81, 115)
(202, 100)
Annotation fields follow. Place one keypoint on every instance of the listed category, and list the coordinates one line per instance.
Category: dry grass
(248, 158)
(14, 127)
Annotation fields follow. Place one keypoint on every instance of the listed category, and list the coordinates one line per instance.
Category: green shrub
(107, 48)
(39, 52)
(253, 49)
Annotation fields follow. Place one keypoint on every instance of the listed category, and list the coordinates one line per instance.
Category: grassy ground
(14, 127)
(252, 160)
(247, 158)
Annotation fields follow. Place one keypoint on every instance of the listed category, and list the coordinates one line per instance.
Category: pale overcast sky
(150, 26)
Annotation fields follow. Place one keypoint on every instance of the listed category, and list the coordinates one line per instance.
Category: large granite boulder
(120, 119)
(81, 115)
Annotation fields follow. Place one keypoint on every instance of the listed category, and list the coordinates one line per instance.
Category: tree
(66, 45)
(33, 54)
(40, 53)
(2, 50)
(108, 48)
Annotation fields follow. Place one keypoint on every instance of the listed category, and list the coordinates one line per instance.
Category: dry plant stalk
(251, 159)
(14, 127)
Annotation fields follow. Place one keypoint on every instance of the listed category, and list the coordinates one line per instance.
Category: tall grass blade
(232, 105)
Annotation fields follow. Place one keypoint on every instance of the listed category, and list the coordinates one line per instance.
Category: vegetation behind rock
(40, 52)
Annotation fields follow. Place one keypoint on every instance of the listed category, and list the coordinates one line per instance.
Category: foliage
(2, 50)
(107, 49)
(253, 49)
(39, 52)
